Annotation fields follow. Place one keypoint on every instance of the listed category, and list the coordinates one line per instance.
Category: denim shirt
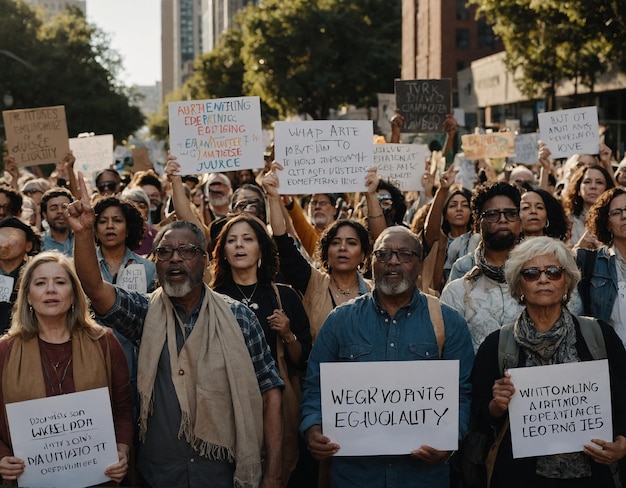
(361, 330)
(51, 244)
(603, 289)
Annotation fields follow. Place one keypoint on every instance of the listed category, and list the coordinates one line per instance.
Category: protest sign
(36, 135)
(494, 145)
(526, 148)
(386, 110)
(323, 156)
(558, 409)
(571, 131)
(424, 104)
(390, 407)
(402, 164)
(141, 159)
(219, 135)
(133, 278)
(92, 153)
(64, 440)
(6, 288)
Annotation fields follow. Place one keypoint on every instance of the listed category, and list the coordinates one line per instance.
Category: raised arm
(375, 215)
(432, 227)
(270, 185)
(81, 218)
(181, 202)
(546, 166)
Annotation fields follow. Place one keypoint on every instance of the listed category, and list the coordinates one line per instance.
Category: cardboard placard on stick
(141, 160)
(495, 145)
(36, 135)
(424, 104)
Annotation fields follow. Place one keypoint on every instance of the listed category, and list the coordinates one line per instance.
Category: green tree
(309, 56)
(69, 63)
(552, 40)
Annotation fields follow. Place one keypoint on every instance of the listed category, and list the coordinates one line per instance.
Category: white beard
(177, 291)
(391, 289)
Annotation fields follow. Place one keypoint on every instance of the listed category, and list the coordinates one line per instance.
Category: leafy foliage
(69, 62)
(550, 40)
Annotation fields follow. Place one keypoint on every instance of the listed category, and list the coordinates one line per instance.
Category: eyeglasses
(107, 185)
(186, 252)
(386, 201)
(553, 273)
(242, 205)
(30, 191)
(493, 216)
(321, 203)
(617, 212)
(403, 255)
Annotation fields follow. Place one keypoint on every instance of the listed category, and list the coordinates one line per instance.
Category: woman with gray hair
(542, 274)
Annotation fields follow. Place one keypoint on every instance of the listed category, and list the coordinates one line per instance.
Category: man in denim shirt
(392, 323)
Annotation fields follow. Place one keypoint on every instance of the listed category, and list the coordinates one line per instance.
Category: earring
(361, 266)
(547, 224)
(30, 308)
(72, 308)
(258, 264)
(522, 299)
(565, 298)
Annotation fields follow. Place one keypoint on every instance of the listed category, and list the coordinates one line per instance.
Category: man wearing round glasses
(391, 323)
(480, 292)
(209, 390)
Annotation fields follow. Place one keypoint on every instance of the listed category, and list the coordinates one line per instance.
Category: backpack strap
(436, 317)
(592, 334)
(508, 350)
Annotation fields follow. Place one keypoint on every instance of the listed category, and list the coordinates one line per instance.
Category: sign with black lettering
(424, 104)
(571, 131)
(559, 408)
(390, 407)
(403, 165)
(64, 440)
(323, 156)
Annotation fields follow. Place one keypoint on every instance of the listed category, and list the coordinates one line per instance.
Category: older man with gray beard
(391, 323)
(209, 390)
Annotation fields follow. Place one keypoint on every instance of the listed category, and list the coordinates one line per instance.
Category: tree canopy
(301, 56)
(66, 61)
(552, 40)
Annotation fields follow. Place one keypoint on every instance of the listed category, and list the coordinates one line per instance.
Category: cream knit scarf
(218, 393)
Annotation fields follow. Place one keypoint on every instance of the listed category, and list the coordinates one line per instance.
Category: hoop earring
(547, 224)
(258, 264)
(565, 298)
(361, 266)
(522, 299)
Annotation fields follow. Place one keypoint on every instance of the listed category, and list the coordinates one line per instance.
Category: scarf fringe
(206, 449)
(146, 407)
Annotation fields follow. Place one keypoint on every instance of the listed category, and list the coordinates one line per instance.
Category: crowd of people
(208, 303)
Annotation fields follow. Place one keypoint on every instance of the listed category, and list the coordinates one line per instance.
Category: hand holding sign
(319, 445)
(11, 468)
(503, 391)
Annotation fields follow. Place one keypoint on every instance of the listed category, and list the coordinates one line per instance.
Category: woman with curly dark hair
(245, 263)
(542, 215)
(604, 269)
(119, 228)
(587, 184)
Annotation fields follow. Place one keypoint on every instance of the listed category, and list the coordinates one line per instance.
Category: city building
(217, 17)
(181, 40)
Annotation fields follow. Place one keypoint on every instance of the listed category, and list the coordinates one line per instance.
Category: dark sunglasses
(107, 185)
(553, 273)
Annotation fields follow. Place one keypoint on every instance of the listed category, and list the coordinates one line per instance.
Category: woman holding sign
(542, 274)
(54, 347)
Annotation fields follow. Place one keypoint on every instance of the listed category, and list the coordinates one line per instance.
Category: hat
(27, 229)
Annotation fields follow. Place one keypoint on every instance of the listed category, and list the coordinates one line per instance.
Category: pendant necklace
(60, 381)
(341, 290)
(248, 300)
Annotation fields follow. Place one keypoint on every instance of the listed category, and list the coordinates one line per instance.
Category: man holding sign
(396, 323)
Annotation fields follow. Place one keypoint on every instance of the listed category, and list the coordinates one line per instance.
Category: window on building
(462, 12)
(486, 37)
(460, 65)
(462, 39)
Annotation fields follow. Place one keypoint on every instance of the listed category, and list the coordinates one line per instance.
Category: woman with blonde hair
(54, 347)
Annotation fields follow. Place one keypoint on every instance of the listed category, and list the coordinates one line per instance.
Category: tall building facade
(441, 38)
(181, 39)
(217, 18)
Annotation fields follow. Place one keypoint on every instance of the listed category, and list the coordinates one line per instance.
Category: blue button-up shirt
(51, 244)
(363, 331)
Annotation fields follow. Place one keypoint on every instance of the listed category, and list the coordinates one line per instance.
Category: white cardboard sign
(402, 164)
(571, 131)
(390, 407)
(6, 288)
(133, 278)
(526, 148)
(64, 440)
(92, 153)
(214, 136)
(324, 156)
(559, 408)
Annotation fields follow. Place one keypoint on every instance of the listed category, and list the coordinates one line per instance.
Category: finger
(277, 165)
(84, 195)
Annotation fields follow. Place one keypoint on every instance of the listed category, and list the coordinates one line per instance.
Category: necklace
(341, 290)
(248, 300)
(59, 381)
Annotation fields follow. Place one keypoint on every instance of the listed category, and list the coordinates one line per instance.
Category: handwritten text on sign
(323, 156)
(496, 145)
(526, 148)
(402, 164)
(560, 408)
(218, 135)
(571, 131)
(424, 104)
(65, 440)
(36, 136)
(92, 153)
(390, 407)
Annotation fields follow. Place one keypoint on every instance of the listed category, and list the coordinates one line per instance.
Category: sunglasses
(107, 185)
(553, 273)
